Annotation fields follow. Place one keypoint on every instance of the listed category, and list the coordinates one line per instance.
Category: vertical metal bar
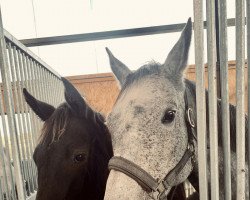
(216, 5)
(32, 121)
(25, 123)
(1, 189)
(36, 92)
(60, 89)
(53, 84)
(7, 172)
(248, 67)
(29, 133)
(19, 108)
(13, 67)
(52, 88)
(240, 113)
(10, 113)
(36, 72)
(44, 96)
(217, 47)
(225, 98)
(42, 81)
(200, 98)
(212, 99)
(29, 125)
(46, 87)
(4, 176)
(32, 116)
(21, 114)
(40, 85)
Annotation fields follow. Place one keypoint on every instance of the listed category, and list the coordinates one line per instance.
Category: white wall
(60, 17)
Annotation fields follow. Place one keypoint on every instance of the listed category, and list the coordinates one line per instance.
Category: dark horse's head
(73, 151)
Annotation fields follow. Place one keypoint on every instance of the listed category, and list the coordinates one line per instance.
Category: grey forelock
(152, 68)
(145, 70)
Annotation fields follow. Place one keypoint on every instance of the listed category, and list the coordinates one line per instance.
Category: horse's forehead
(147, 91)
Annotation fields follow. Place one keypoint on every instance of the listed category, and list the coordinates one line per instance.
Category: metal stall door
(19, 127)
(209, 176)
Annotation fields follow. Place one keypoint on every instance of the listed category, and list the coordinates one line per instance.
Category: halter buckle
(161, 191)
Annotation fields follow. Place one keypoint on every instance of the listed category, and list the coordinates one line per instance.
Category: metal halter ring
(191, 122)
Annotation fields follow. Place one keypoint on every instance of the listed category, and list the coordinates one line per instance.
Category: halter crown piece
(159, 189)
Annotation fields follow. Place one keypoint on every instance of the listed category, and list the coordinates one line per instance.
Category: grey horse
(148, 124)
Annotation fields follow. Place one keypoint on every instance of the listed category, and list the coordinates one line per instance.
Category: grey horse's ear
(120, 70)
(42, 109)
(176, 61)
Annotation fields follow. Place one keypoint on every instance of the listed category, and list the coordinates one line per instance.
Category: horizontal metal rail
(85, 37)
(22, 47)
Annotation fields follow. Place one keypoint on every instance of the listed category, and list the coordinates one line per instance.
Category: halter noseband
(159, 188)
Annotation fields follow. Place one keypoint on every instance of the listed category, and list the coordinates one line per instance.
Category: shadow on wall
(101, 90)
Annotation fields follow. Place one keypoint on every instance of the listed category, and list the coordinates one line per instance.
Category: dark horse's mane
(101, 149)
(100, 155)
(191, 87)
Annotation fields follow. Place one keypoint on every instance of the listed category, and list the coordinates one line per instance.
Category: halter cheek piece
(159, 189)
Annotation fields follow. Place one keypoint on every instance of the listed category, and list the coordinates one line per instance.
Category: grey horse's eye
(168, 116)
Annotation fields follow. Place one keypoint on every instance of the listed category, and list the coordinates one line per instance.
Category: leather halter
(160, 188)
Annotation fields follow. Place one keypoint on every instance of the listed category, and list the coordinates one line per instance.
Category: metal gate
(242, 13)
(19, 128)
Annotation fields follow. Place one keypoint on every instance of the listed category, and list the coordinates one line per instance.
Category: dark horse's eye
(79, 157)
(168, 117)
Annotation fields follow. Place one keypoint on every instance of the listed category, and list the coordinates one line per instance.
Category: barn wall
(101, 90)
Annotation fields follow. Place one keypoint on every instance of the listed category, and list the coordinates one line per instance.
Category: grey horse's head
(147, 122)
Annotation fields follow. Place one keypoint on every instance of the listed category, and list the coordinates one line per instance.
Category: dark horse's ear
(76, 102)
(43, 110)
(176, 61)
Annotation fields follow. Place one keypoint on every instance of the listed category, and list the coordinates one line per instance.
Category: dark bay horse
(74, 149)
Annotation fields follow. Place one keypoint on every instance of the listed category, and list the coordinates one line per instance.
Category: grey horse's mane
(232, 110)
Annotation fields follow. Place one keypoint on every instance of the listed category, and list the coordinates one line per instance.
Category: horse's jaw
(120, 186)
